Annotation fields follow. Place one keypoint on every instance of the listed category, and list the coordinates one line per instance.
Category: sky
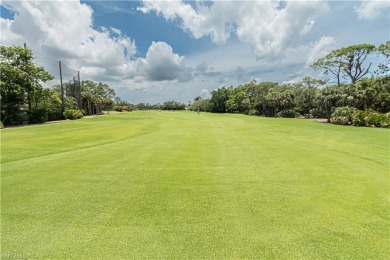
(156, 51)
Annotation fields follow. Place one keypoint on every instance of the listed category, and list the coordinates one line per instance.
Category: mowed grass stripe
(179, 185)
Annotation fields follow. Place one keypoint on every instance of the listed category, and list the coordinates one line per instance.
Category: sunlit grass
(178, 185)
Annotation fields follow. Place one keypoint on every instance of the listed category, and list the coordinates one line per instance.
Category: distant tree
(238, 100)
(201, 104)
(305, 92)
(347, 62)
(218, 99)
(384, 66)
(96, 96)
(327, 99)
(258, 93)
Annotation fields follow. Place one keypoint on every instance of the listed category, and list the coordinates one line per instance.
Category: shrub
(126, 108)
(118, 108)
(288, 113)
(253, 112)
(374, 119)
(371, 118)
(38, 115)
(73, 114)
(1, 125)
(318, 113)
(358, 118)
(54, 115)
(386, 120)
(343, 115)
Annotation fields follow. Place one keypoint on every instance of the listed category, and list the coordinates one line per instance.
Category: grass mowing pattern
(178, 185)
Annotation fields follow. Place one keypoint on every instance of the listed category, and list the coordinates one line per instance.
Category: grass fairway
(177, 185)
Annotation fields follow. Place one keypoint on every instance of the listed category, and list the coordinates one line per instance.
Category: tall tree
(348, 62)
(384, 66)
(305, 92)
(20, 79)
(327, 99)
(218, 99)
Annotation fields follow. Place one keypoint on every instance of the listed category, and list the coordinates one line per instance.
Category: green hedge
(73, 114)
(371, 118)
(353, 116)
(288, 113)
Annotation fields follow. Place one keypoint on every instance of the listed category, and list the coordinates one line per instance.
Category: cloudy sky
(154, 51)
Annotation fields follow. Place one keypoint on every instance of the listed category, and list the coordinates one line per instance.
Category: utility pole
(79, 92)
(30, 89)
(62, 92)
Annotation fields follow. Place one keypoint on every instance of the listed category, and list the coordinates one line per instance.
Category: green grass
(181, 186)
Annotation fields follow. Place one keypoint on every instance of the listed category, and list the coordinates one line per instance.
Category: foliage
(305, 92)
(384, 67)
(96, 96)
(200, 104)
(288, 113)
(38, 115)
(218, 100)
(253, 112)
(307, 98)
(20, 85)
(343, 115)
(126, 108)
(346, 62)
(371, 118)
(317, 112)
(118, 108)
(73, 114)
(173, 105)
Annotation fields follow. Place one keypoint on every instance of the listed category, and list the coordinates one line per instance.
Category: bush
(386, 120)
(288, 113)
(358, 118)
(252, 112)
(374, 119)
(371, 118)
(118, 108)
(318, 113)
(73, 114)
(54, 115)
(1, 125)
(126, 108)
(343, 115)
(38, 115)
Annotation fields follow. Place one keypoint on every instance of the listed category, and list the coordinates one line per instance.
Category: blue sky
(154, 51)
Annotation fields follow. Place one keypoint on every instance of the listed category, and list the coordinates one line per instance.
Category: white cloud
(370, 9)
(161, 63)
(63, 30)
(320, 49)
(266, 25)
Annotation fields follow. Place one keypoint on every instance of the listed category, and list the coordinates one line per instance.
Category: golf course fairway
(178, 185)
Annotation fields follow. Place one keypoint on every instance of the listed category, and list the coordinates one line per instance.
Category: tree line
(171, 105)
(361, 101)
(342, 103)
(25, 101)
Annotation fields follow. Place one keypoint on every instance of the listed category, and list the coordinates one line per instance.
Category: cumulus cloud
(161, 63)
(64, 30)
(320, 49)
(370, 9)
(267, 26)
